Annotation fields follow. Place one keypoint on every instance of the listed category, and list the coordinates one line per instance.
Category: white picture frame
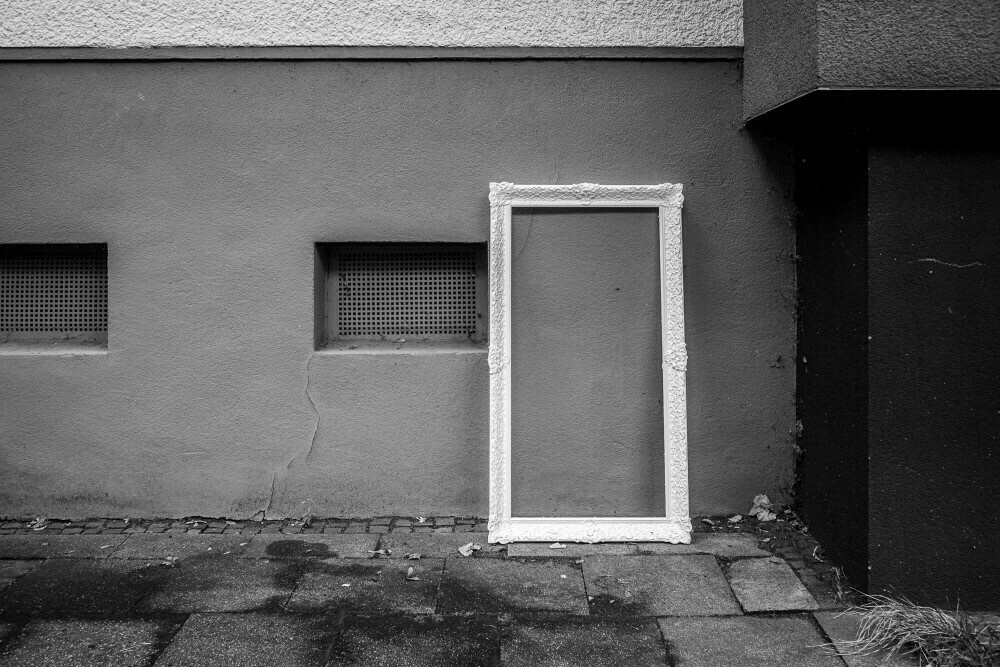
(675, 525)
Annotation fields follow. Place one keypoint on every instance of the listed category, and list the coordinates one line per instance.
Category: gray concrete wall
(212, 181)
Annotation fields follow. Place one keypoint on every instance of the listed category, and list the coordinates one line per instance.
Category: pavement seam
(827, 638)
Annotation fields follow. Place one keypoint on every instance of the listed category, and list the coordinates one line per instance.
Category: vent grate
(388, 292)
(53, 291)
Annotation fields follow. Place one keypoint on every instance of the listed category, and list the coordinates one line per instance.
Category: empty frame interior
(598, 352)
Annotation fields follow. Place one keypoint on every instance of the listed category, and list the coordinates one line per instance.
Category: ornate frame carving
(675, 526)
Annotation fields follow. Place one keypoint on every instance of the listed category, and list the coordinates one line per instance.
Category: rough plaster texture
(211, 182)
(795, 47)
(145, 23)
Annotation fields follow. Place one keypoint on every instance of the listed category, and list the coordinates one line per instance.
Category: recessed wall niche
(400, 295)
(53, 293)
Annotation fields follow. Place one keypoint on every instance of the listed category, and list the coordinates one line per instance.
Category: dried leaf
(379, 552)
(557, 545)
(412, 556)
(708, 522)
(409, 575)
(736, 519)
(421, 519)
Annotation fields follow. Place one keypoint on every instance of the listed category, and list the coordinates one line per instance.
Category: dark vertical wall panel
(935, 360)
(586, 383)
(831, 193)
(211, 182)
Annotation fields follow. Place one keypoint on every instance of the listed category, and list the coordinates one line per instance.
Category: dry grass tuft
(932, 636)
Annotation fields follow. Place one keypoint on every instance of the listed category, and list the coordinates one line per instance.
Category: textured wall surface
(212, 181)
(147, 23)
(795, 47)
(934, 361)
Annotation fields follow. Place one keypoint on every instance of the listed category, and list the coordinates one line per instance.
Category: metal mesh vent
(53, 292)
(386, 291)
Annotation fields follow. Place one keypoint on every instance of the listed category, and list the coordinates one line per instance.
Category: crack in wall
(301, 457)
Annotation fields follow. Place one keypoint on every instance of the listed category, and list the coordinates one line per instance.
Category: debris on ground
(557, 545)
(376, 553)
(736, 518)
(169, 561)
(410, 576)
(421, 519)
(411, 556)
(468, 549)
(762, 508)
(708, 522)
(38, 523)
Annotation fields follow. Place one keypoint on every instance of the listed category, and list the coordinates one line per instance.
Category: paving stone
(378, 530)
(422, 641)
(374, 586)
(160, 545)
(400, 529)
(463, 528)
(493, 585)
(85, 643)
(92, 531)
(381, 521)
(176, 531)
(841, 628)
(444, 521)
(12, 569)
(210, 531)
(59, 546)
(72, 531)
(657, 586)
(726, 545)
(65, 587)
(333, 529)
(311, 546)
(422, 528)
(402, 522)
(481, 528)
(746, 641)
(572, 550)
(470, 522)
(768, 584)
(222, 585)
(250, 640)
(591, 642)
(356, 529)
(435, 545)
(267, 530)
(444, 529)
(116, 523)
(291, 530)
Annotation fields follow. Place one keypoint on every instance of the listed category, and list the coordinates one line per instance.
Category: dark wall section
(832, 375)
(935, 360)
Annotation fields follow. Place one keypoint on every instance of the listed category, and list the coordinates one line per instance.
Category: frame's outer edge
(676, 525)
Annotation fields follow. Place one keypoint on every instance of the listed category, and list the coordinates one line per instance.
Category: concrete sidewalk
(321, 599)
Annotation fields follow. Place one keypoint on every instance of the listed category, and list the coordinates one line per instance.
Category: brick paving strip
(341, 591)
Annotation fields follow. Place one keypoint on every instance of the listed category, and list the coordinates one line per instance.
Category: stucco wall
(212, 181)
(142, 23)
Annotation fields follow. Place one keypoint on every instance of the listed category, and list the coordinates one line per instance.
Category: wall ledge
(373, 53)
